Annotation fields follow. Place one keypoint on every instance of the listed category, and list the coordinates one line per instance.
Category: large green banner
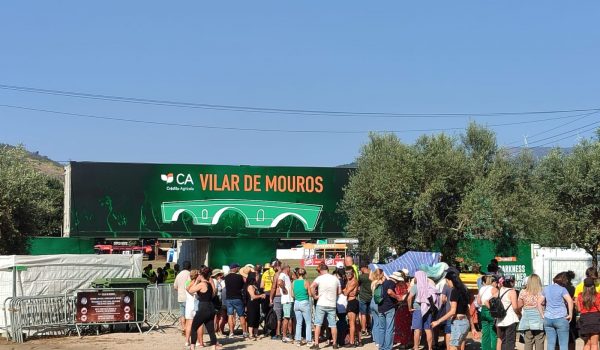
(182, 201)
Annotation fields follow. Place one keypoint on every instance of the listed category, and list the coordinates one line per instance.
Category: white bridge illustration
(257, 213)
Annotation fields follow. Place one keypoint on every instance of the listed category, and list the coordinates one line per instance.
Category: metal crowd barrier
(34, 315)
(162, 307)
(38, 314)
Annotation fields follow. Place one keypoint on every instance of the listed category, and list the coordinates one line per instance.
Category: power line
(275, 111)
(595, 124)
(564, 138)
(581, 116)
(217, 127)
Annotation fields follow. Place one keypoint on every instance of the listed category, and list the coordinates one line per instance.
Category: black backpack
(270, 321)
(497, 310)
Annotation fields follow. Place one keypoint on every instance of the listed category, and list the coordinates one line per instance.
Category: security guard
(170, 274)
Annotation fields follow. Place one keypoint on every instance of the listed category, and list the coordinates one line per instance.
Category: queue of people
(345, 304)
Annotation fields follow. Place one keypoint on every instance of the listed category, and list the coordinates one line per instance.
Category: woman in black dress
(205, 315)
(254, 299)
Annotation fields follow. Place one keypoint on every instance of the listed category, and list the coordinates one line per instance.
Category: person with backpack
(488, 323)
(377, 278)
(558, 313)
(588, 304)
(531, 303)
(387, 310)
(503, 307)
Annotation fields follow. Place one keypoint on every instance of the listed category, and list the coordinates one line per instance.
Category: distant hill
(538, 152)
(44, 164)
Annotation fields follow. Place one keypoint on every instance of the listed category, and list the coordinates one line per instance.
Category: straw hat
(244, 271)
(397, 276)
(216, 272)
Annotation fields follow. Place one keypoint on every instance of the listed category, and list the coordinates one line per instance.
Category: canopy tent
(36, 275)
(410, 261)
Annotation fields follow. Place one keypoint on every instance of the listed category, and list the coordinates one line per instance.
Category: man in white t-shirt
(325, 289)
(284, 284)
(179, 286)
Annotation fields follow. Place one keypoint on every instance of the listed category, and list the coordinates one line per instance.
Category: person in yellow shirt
(591, 272)
(266, 283)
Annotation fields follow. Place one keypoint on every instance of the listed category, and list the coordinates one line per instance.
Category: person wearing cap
(221, 310)
(558, 312)
(506, 328)
(234, 285)
(266, 281)
(488, 323)
(459, 314)
(402, 332)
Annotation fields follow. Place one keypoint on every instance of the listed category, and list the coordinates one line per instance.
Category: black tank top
(208, 295)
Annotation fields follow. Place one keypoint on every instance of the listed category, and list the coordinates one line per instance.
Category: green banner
(183, 201)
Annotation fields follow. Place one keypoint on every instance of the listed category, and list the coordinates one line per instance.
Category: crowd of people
(345, 304)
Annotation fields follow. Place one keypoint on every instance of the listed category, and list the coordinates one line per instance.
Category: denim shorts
(460, 329)
(364, 307)
(448, 327)
(182, 309)
(235, 306)
(321, 312)
(287, 310)
(420, 322)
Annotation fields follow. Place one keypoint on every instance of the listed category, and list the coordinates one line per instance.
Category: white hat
(397, 276)
(339, 265)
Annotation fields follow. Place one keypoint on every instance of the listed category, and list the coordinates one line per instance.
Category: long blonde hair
(376, 278)
(534, 285)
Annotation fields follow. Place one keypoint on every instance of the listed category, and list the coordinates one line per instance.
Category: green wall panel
(241, 251)
(58, 245)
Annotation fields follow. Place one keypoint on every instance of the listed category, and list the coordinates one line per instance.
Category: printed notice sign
(106, 306)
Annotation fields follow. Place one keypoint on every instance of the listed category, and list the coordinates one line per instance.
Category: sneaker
(335, 346)
(302, 343)
(287, 340)
(276, 337)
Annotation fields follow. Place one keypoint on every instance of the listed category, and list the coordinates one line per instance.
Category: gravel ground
(169, 338)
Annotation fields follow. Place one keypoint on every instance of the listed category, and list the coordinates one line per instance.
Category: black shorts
(352, 306)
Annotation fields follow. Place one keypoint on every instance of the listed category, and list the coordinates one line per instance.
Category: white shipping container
(549, 261)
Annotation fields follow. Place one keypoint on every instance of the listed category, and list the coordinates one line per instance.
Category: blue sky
(386, 56)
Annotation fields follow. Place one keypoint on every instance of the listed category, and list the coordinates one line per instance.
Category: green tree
(378, 198)
(571, 186)
(30, 201)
